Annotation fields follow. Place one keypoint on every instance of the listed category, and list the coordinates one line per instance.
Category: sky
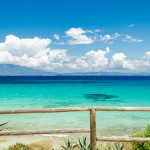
(76, 35)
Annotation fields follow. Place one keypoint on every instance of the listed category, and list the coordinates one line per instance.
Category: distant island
(16, 70)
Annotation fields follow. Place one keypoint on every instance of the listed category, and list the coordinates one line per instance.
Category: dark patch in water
(100, 97)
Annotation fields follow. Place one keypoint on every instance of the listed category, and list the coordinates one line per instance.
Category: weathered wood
(46, 110)
(93, 129)
(143, 109)
(55, 110)
(122, 139)
(30, 132)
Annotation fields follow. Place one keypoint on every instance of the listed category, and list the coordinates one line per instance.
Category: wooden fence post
(92, 129)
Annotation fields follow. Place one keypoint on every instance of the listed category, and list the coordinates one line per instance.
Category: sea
(27, 92)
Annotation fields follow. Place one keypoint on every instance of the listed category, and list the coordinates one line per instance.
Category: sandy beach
(36, 141)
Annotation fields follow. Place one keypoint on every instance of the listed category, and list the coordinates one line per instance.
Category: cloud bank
(36, 53)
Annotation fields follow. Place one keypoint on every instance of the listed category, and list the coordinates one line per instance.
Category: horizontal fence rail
(139, 109)
(77, 130)
(122, 139)
(49, 110)
(74, 109)
(92, 130)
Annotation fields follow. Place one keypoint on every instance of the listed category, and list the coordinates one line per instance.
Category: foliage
(115, 146)
(19, 146)
(80, 145)
(69, 145)
(83, 145)
(1, 126)
(143, 145)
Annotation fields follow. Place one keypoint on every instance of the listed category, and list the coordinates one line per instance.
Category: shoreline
(40, 141)
(31, 140)
(52, 141)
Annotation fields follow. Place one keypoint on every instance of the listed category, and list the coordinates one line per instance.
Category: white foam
(54, 135)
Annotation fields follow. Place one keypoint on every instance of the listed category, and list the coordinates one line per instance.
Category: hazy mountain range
(16, 70)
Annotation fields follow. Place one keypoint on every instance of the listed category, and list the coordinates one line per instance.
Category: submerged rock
(99, 97)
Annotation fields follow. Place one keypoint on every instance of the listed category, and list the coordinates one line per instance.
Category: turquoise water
(56, 92)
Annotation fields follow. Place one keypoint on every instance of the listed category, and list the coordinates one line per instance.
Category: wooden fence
(92, 130)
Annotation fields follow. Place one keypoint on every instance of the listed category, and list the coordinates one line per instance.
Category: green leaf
(3, 123)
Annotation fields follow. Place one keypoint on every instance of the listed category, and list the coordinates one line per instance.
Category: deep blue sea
(74, 91)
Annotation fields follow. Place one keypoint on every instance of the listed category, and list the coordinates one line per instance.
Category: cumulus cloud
(36, 53)
(119, 57)
(129, 38)
(97, 58)
(78, 36)
(17, 46)
(30, 52)
(93, 60)
(121, 62)
(109, 38)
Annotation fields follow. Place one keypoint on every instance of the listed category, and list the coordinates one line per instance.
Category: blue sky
(78, 27)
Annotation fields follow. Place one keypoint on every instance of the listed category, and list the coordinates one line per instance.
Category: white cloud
(94, 31)
(148, 55)
(109, 38)
(90, 61)
(119, 57)
(131, 25)
(118, 60)
(6, 57)
(59, 43)
(56, 36)
(129, 38)
(29, 52)
(89, 31)
(98, 30)
(17, 46)
(121, 62)
(95, 59)
(36, 53)
(78, 36)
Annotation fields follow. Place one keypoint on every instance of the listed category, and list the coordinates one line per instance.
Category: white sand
(37, 140)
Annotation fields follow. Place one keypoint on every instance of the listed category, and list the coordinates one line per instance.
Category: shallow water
(56, 92)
